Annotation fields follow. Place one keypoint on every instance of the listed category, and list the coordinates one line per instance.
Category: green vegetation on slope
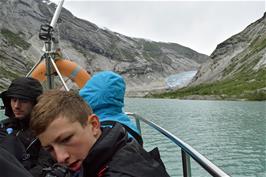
(151, 50)
(249, 86)
(15, 39)
(241, 81)
(246, 57)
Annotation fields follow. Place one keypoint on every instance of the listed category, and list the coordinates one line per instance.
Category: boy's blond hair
(55, 103)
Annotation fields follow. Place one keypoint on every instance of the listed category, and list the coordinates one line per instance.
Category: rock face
(144, 64)
(243, 53)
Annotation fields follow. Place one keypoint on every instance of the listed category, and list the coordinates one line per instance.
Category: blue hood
(104, 93)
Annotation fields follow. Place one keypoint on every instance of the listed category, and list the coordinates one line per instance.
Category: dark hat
(24, 88)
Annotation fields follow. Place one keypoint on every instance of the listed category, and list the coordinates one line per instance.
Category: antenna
(57, 13)
(46, 34)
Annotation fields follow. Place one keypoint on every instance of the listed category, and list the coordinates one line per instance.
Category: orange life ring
(67, 68)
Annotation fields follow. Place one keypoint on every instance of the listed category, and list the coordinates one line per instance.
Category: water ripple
(229, 133)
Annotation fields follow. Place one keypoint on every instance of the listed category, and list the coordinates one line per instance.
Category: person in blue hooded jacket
(105, 92)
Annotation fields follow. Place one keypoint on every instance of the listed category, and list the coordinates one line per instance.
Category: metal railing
(186, 150)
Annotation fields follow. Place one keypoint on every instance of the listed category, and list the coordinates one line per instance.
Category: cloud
(200, 25)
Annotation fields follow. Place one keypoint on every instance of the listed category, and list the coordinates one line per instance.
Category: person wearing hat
(20, 98)
(15, 135)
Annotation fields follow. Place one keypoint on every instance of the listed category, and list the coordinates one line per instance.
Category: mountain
(237, 69)
(143, 63)
(243, 52)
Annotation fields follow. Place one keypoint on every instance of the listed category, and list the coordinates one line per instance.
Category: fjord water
(232, 134)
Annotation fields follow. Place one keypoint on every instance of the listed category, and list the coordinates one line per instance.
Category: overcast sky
(199, 25)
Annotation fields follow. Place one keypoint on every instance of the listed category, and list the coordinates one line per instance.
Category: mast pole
(57, 13)
(48, 61)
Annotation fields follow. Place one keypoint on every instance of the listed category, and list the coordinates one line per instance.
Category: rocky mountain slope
(144, 64)
(243, 52)
(237, 69)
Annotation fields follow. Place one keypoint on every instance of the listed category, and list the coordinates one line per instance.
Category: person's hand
(56, 171)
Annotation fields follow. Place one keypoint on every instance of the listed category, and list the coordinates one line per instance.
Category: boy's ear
(94, 121)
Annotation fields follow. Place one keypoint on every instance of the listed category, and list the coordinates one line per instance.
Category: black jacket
(21, 142)
(24, 146)
(114, 155)
(10, 166)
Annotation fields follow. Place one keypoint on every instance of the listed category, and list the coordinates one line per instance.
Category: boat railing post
(186, 164)
(138, 125)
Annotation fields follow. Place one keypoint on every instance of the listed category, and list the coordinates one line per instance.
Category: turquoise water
(231, 134)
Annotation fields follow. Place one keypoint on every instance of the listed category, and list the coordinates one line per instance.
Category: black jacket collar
(111, 140)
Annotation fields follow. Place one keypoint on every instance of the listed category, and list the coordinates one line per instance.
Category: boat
(52, 65)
